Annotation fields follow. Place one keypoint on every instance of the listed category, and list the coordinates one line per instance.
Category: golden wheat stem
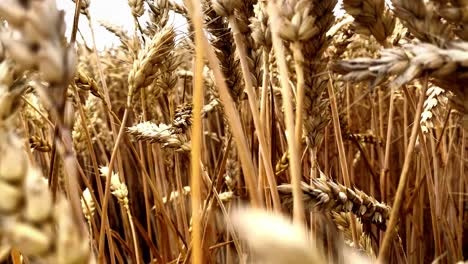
(76, 19)
(296, 47)
(388, 143)
(388, 237)
(106, 99)
(255, 113)
(134, 237)
(298, 207)
(428, 174)
(264, 97)
(234, 121)
(462, 186)
(341, 150)
(264, 120)
(197, 256)
(105, 204)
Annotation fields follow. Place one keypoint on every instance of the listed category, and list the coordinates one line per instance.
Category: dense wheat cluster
(280, 131)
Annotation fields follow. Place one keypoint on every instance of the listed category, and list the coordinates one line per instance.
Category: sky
(118, 14)
(115, 12)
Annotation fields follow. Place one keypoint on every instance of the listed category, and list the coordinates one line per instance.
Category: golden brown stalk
(340, 146)
(84, 7)
(298, 29)
(227, 9)
(371, 17)
(120, 191)
(232, 115)
(295, 160)
(403, 181)
(305, 25)
(196, 153)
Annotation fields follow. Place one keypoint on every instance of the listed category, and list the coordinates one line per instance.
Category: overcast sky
(116, 12)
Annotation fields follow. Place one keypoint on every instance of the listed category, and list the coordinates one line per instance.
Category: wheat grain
(327, 195)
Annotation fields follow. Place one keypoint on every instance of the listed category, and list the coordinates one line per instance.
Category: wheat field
(280, 131)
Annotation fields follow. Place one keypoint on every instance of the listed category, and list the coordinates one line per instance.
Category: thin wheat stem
(104, 224)
(388, 143)
(264, 120)
(134, 237)
(394, 216)
(232, 114)
(255, 114)
(298, 208)
(197, 256)
(341, 150)
(299, 66)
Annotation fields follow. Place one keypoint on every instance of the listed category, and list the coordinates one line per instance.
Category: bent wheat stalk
(325, 194)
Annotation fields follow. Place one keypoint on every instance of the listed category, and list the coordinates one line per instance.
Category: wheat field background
(280, 131)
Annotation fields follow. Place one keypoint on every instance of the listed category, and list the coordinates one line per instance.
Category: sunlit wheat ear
(120, 191)
(88, 206)
(160, 133)
(434, 96)
(118, 188)
(273, 238)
